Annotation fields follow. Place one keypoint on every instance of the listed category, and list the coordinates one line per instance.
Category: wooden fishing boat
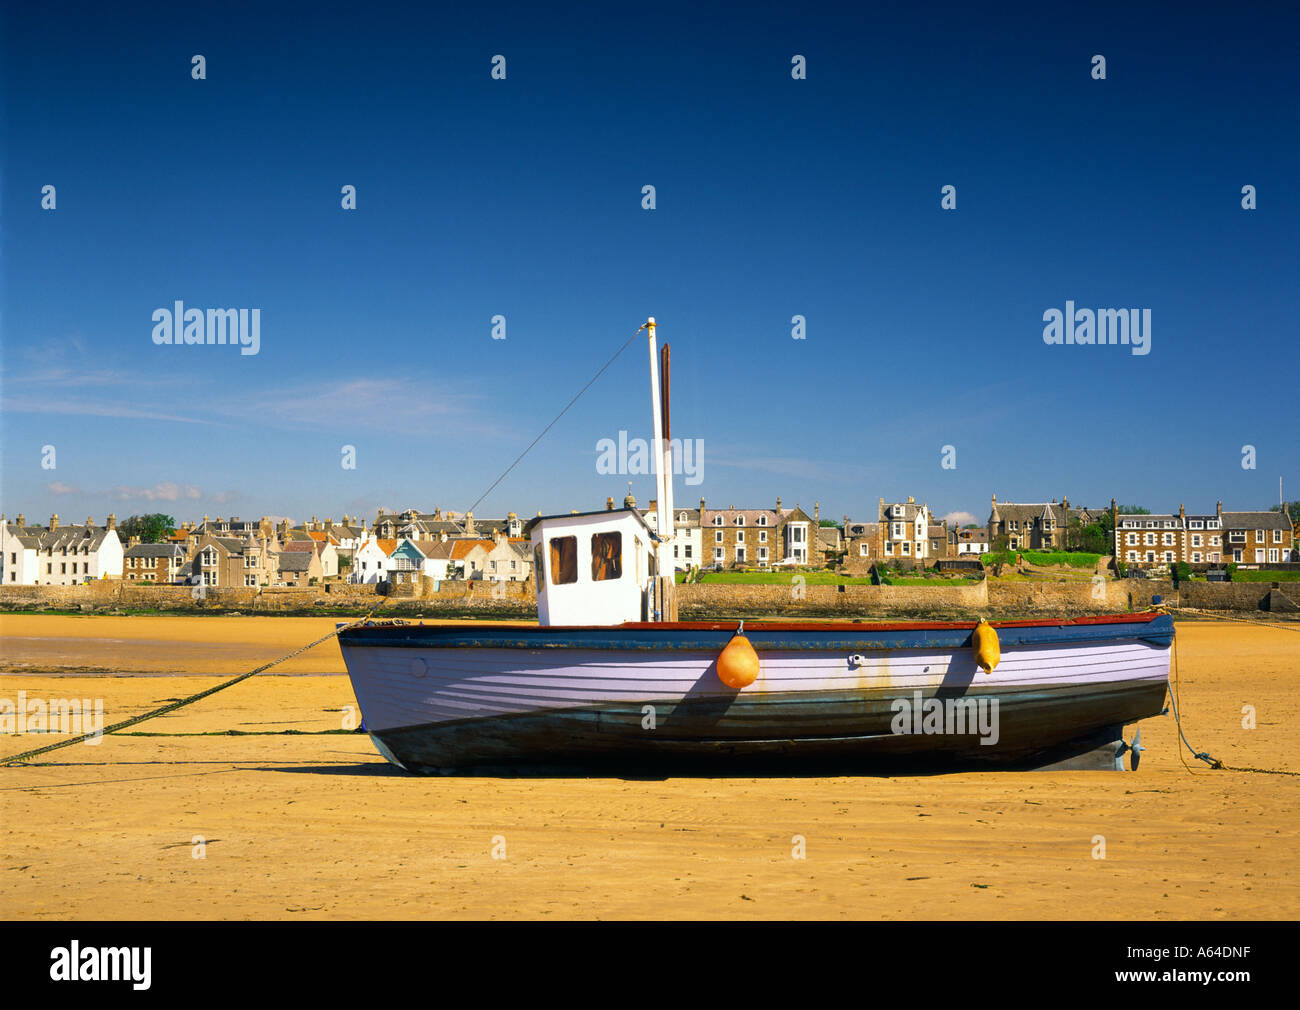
(609, 678)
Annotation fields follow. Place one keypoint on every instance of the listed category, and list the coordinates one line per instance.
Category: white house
(57, 555)
(370, 562)
(687, 537)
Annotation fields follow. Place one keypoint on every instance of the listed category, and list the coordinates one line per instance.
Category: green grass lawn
(1075, 559)
(1240, 576)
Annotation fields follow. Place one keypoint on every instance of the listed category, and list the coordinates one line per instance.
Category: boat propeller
(1135, 748)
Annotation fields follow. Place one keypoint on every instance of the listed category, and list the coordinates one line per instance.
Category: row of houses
(400, 546)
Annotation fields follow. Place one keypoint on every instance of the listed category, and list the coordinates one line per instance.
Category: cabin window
(606, 556)
(564, 560)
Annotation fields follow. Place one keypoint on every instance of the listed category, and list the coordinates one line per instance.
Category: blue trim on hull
(847, 637)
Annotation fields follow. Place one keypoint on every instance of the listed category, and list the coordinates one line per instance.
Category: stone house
(862, 546)
(1244, 538)
(1037, 526)
(761, 538)
(162, 564)
(298, 568)
(231, 562)
(904, 532)
(324, 547)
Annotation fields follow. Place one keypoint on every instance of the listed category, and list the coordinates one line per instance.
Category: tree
(150, 528)
(1133, 510)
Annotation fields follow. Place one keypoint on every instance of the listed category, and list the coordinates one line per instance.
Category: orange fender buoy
(738, 663)
(988, 651)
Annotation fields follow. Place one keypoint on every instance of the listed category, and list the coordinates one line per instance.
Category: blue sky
(522, 197)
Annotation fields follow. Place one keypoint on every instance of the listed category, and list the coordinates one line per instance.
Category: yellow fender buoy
(988, 652)
(738, 663)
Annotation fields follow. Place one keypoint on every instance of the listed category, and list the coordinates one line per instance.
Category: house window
(717, 554)
(1196, 558)
(740, 553)
(688, 551)
(606, 556)
(1149, 539)
(1169, 557)
(762, 554)
(717, 520)
(889, 547)
(761, 520)
(1196, 524)
(1131, 539)
(1236, 536)
(907, 547)
(740, 520)
(1196, 540)
(1277, 536)
(1272, 555)
(1259, 557)
(1259, 536)
(1169, 540)
(863, 551)
(740, 536)
(250, 580)
(717, 537)
(1236, 554)
(1132, 555)
(564, 560)
(762, 536)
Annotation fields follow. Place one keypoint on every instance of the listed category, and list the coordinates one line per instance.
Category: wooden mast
(663, 456)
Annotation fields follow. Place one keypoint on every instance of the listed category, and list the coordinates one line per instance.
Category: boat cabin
(593, 567)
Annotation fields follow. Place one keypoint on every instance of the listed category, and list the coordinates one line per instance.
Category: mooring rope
(136, 720)
(1209, 759)
(1218, 616)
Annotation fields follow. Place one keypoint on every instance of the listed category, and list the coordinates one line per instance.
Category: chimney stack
(22, 520)
(89, 522)
(54, 522)
(609, 504)
(778, 503)
(112, 521)
(701, 508)
(817, 511)
(1218, 510)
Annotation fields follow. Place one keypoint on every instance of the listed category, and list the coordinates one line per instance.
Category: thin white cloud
(960, 519)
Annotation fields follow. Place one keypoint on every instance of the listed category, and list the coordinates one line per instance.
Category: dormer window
(717, 520)
(740, 520)
(762, 520)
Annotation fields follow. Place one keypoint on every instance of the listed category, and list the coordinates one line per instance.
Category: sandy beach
(292, 820)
